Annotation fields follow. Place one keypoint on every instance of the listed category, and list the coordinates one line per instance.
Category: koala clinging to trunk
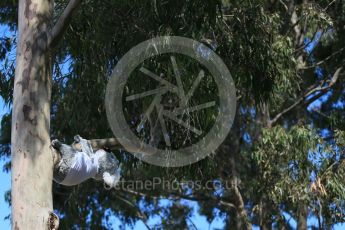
(78, 163)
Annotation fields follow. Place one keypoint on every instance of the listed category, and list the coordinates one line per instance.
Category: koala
(78, 163)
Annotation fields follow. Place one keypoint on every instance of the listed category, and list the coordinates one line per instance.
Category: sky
(5, 183)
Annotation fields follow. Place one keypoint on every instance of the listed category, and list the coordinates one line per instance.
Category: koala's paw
(110, 180)
(56, 144)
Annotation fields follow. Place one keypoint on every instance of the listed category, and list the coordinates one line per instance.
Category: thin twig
(285, 6)
(324, 60)
(305, 95)
(331, 3)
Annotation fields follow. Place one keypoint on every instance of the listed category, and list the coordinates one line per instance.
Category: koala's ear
(77, 138)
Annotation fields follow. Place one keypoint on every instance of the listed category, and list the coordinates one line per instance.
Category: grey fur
(107, 162)
(67, 158)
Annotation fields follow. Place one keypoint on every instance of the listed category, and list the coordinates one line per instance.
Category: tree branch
(324, 60)
(301, 48)
(110, 143)
(62, 23)
(175, 195)
(308, 93)
(142, 216)
(285, 6)
(326, 8)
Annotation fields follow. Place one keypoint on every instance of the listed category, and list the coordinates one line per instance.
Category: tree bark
(32, 159)
(230, 152)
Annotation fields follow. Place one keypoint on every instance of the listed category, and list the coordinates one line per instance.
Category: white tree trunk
(32, 161)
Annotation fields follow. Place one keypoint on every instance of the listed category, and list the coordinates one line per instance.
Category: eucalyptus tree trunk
(32, 154)
(32, 159)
